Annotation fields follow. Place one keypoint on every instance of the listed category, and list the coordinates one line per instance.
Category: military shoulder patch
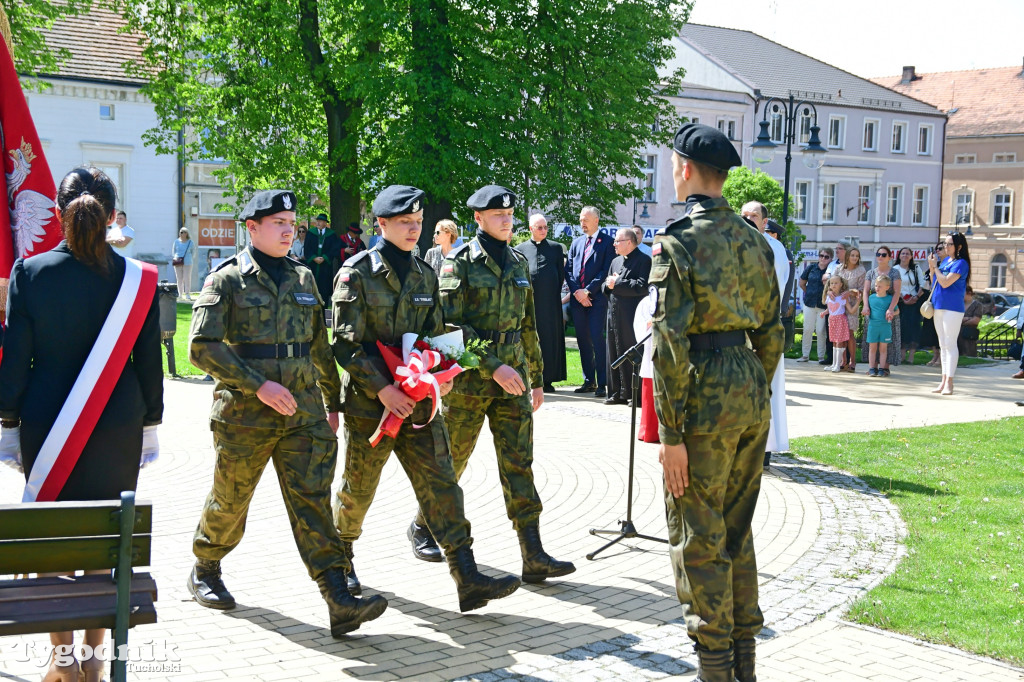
(448, 269)
(656, 249)
(344, 276)
(208, 282)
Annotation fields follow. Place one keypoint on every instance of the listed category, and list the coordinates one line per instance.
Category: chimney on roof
(908, 74)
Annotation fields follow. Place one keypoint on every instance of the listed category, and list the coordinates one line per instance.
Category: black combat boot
(347, 612)
(714, 666)
(538, 565)
(475, 588)
(424, 546)
(351, 579)
(744, 664)
(207, 587)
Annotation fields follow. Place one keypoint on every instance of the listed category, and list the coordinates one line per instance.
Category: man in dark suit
(625, 287)
(585, 271)
(322, 253)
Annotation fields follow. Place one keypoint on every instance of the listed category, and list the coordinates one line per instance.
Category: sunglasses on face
(823, 255)
(881, 254)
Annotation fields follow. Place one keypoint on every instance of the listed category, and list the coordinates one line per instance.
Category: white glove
(10, 447)
(150, 446)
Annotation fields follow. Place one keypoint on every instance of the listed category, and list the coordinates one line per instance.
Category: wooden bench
(53, 537)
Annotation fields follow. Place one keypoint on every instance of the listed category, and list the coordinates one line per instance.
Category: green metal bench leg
(123, 575)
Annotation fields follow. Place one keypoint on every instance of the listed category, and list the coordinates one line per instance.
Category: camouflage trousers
(426, 457)
(304, 458)
(710, 541)
(511, 423)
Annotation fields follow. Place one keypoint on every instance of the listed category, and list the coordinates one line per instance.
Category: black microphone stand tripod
(627, 529)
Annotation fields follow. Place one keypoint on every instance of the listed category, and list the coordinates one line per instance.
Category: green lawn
(960, 491)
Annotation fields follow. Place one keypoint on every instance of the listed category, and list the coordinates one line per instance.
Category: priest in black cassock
(547, 270)
(625, 287)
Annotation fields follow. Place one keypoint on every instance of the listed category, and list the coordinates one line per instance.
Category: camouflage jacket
(370, 304)
(478, 297)
(713, 273)
(240, 303)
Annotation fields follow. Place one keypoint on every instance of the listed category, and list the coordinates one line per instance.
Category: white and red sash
(88, 398)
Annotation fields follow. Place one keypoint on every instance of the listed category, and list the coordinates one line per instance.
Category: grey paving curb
(860, 541)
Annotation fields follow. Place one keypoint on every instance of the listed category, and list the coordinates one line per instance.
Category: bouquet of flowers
(420, 366)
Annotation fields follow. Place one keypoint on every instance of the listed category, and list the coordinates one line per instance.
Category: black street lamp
(764, 149)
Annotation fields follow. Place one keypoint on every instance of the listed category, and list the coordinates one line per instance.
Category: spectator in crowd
(351, 242)
(644, 249)
(445, 234)
(625, 286)
(967, 343)
(59, 302)
(183, 253)
(837, 303)
(812, 284)
(853, 273)
(547, 272)
(879, 331)
(375, 237)
(642, 322)
(929, 338)
(1019, 323)
(914, 290)
(299, 240)
(322, 253)
(775, 231)
(949, 281)
(883, 266)
(832, 267)
(585, 270)
(120, 236)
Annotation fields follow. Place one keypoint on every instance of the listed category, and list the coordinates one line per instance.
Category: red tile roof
(979, 102)
(98, 50)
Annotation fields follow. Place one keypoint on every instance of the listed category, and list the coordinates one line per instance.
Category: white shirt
(115, 232)
(781, 262)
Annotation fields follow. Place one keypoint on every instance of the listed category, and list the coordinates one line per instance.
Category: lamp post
(764, 149)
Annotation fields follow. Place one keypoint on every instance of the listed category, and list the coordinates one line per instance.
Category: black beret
(322, 216)
(397, 200)
(774, 227)
(268, 202)
(492, 196)
(707, 145)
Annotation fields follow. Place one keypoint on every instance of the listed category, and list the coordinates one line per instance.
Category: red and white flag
(29, 225)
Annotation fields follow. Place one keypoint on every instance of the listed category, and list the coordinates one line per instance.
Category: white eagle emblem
(506, 200)
(31, 210)
(415, 205)
(287, 202)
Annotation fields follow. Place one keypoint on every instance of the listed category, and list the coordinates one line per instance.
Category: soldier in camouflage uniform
(714, 279)
(486, 290)
(257, 328)
(379, 295)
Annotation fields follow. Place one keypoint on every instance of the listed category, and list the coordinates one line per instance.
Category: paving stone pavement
(823, 538)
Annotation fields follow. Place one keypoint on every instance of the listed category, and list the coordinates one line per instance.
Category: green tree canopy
(29, 19)
(745, 185)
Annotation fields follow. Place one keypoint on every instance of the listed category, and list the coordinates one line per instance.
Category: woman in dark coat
(59, 301)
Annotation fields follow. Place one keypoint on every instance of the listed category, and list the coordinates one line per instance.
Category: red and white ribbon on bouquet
(416, 380)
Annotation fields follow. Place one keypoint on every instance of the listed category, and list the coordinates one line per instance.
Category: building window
(728, 127)
(106, 112)
(1004, 158)
(649, 168)
(920, 213)
(893, 204)
(800, 200)
(899, 137)
(871, 135)
(924, 139)
(864, 204)
(805, 127)
(1001, 208)
(964, 202)
(997, 272)
(836, 132)
(828, 202)
(965, 158)
(777, 127)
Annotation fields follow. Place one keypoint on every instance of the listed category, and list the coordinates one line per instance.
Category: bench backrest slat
(69, 519)
(69, 554)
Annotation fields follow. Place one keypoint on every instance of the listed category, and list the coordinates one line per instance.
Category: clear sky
(879, 37)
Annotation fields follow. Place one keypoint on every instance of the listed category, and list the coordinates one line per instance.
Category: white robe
(778, 432)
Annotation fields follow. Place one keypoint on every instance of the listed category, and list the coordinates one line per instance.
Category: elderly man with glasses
(812, 284)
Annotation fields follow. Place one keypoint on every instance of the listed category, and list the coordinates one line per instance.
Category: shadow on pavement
(833, 478)
(623, 597)
(838, 399)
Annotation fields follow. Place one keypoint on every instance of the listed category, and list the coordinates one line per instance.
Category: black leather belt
(717, 340)
(270, 351)
(501, 337)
